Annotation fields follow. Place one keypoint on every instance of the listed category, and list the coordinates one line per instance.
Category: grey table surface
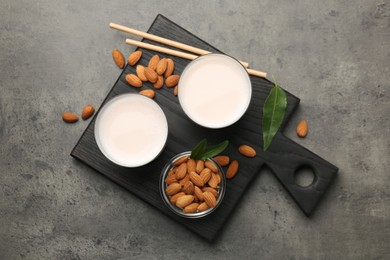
(56, 56)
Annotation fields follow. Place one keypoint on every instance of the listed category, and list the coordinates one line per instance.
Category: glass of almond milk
(214, 90)
(131, 130)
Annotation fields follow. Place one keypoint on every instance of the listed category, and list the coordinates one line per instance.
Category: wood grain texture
(283, 157)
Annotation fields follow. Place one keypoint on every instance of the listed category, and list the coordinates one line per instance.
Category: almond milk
(131, 130)
(215, 90)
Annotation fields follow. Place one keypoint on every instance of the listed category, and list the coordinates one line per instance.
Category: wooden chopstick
(159, 39)
(180, 54)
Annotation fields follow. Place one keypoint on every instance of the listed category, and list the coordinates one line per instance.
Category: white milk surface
(215, 90)
(131, 130)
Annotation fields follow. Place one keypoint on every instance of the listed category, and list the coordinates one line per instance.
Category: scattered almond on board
(193, 185)
(302, 128)
(87, 112)
(118, 58)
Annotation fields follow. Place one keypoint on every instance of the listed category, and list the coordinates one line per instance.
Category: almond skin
(191, 208)
(176, 91)
(196, 179)
(151, 75)
(222, 160)
(176, 196)
(198, 193)
(209, 199)
(148, 93)
(205, 174)
(211, 190)
(180, 161)
(133, 80)
(185, 180)
(181, 171)
(172, 81)
(211, 166)
(247, 150)
(173, 189)
(232, 169)
(134, 58)
(87, 112)
(214, 181)
(69, 117)
(170, 68)
(191, 165)
(203, 207)
(161, 66)
(302, 129)
(184, 201)
(159, 83)
(170, 179)
(118, 58)
(199, 166)
(153, 62)
(141, 72)
(188, 188)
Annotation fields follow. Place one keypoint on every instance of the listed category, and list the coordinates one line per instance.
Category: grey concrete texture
(56, 56)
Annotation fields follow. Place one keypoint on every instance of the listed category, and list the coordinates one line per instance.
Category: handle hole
(304, 176)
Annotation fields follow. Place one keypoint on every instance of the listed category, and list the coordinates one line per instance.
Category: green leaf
(202, 152)
(273, 113)
(214, 150)
(198, 149)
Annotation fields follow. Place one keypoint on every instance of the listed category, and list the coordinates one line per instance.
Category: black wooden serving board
(283, 157)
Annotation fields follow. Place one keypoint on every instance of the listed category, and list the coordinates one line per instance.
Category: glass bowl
(179, 211)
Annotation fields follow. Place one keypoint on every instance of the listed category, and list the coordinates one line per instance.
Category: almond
(133, 80)
(196, 179)
(209, 199)
(161, 66)
(191, 165)
(69, 117)
(211, 166)
(170, 68)
(141, 72)
(170, 179)
(188, 188)
(184, 180)
(148, 93)
(199, 166)
(247, 150)
(134, 57)
(191, 208)
(213, 191)
(214, 181)
(181, 171)
(222, 160)
(151, 75)
(205, 174)
(302, 128)
(159, 83)
(198, 193)
(118, 58)
(153, 62)
(176, 91)
(184, 201)
(232, 169)
(172, 81)
(203, 207)
(87, 112)
(173, 189)
(180, 160)
(171, 172)
(176, 196)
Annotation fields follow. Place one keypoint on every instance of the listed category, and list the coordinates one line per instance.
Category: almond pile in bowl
(192, 187)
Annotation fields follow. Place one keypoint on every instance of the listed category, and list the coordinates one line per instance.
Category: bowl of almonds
(192, 184)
